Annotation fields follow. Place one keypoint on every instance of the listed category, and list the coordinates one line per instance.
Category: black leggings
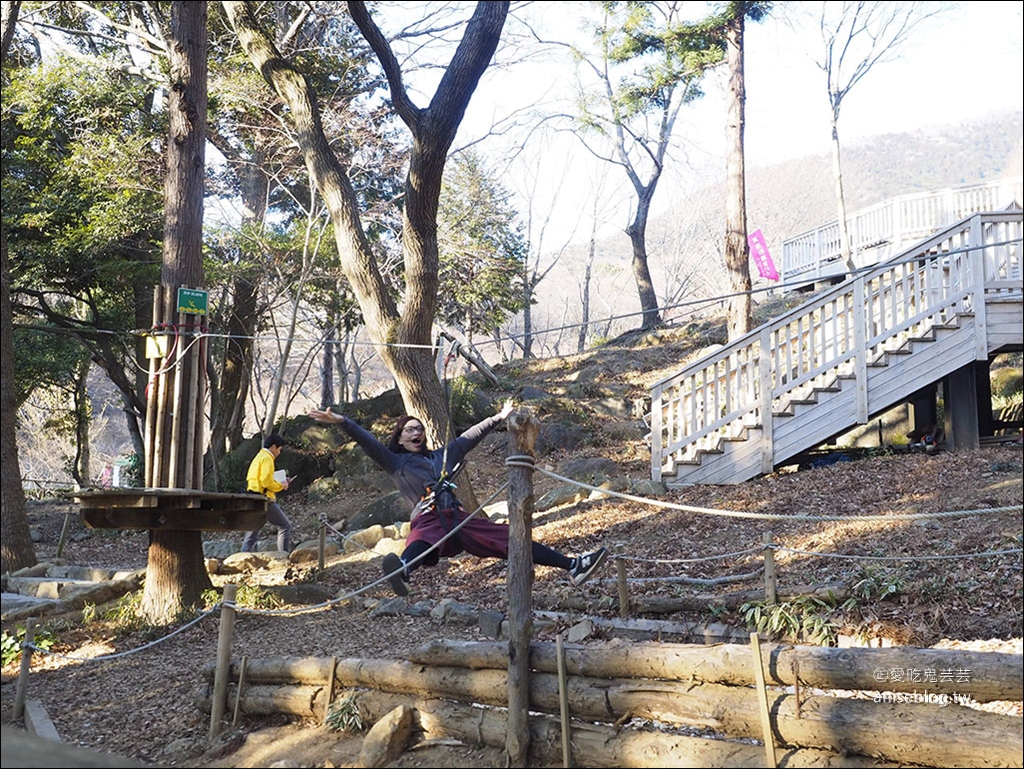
(542, 556)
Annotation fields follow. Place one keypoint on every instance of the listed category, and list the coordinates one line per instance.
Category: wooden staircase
(843, 357)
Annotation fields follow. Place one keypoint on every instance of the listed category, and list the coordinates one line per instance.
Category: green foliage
(44, 360)
(461, 396)
(876, 585)
(808, 617)
(10, 643)
(1007, 382)
(126, 615)
(134, 471)
(811, 617)
(82, 212)
(482, 251)
(249, 596)
(665, 53)
(345, 715)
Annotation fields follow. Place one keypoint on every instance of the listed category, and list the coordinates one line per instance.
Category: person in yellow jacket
(260, 480)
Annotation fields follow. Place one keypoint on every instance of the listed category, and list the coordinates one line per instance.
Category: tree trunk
(581, 340)
(846, 250)
(522, 435)
(408, 335)
(228, 404)
(16, 546)
(737, 261)
(328, 363)
(637, 232)
(601, 745)
(176, 574)
(993, 677)
(921, 733)
(82, 471)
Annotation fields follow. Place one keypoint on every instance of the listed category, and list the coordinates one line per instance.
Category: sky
(956, 67)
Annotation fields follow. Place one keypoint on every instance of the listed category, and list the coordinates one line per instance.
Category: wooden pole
(199, 419)
(26, 667)
(563, 703)
(770, 586)
(162, 394)
(151, 396)
(191, 408)
(175, 474)
(223, 672)
(63, 534)
(330, 688)
(321, 561)
(762, 700)
(522, 430)
(620, 569)
(241, 688)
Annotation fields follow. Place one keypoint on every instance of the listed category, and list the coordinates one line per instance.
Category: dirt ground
(144, 704)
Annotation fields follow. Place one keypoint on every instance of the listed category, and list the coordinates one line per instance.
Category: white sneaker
(585, 565)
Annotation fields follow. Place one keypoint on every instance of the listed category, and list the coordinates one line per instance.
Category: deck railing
(885, 229)
(836, 334)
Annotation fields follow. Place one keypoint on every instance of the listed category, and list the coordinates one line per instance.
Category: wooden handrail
(836, 334)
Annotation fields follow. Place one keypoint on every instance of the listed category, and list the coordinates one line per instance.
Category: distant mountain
(783, 200)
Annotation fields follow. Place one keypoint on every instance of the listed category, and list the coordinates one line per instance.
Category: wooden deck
(172, 509)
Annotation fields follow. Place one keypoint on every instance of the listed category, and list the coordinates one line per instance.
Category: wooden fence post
(323, 543)
(223, 673)
(239, 690)
(26, 667)
(63, 534)
(762, 700)
(769, 570)
(620, 570)
(563, 703)
(522, 429)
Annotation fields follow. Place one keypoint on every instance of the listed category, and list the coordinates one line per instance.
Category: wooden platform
(173, 509)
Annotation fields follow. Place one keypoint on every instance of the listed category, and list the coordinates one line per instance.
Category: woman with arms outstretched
(423, 476)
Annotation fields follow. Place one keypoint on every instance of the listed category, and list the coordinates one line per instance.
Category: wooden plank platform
(172, 509)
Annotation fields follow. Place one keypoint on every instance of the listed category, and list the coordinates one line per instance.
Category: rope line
(985, 554)
(327, 524)
(748, 551)
(527, 461)
(108, 657)
(517, 461)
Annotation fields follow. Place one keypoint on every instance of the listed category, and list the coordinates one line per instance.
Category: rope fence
(767, 570)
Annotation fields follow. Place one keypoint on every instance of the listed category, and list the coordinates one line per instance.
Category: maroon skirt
(481, 536)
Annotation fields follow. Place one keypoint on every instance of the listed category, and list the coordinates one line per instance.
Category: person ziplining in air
(424, 478)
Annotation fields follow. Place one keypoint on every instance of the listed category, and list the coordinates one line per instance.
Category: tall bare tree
(16, 548)
(650, 64)
(737, 261)
(857, 35)
(406, 336)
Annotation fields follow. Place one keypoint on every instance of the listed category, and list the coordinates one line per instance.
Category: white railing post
(656, 444)
(765, 366)
(860, 359)
(976, 259)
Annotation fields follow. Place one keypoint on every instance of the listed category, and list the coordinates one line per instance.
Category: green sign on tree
(192, 301)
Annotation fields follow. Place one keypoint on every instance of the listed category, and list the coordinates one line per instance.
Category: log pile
(678, 685)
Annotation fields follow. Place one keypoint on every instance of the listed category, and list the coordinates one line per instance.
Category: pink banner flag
(760, 255)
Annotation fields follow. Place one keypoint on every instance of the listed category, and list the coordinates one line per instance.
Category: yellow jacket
(260, 477)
